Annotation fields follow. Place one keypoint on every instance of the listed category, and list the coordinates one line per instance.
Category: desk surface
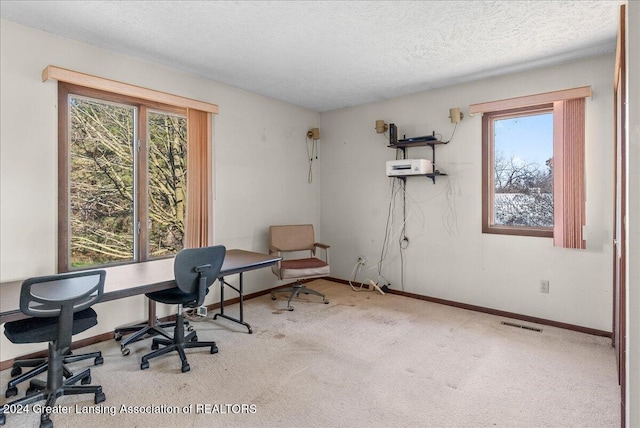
(139, 278)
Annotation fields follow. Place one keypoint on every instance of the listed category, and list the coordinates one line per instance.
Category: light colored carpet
(362, 360)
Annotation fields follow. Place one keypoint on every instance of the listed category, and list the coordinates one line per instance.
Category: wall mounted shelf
(403, 147)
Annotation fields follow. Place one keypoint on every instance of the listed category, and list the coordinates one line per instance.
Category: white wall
(260, 147)
(259, 155)
(448, 257)
(633, 216)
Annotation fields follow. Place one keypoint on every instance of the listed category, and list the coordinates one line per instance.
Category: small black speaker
(393, 135)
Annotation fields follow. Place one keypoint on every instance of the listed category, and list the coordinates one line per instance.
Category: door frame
(619, 210)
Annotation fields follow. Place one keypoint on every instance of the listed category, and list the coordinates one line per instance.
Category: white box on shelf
(403, 167)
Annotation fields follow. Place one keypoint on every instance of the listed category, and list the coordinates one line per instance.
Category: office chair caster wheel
(214, 349)
(31, 390)
(85, 380)
(194, 338)
(11, 392)
(185, 368)
(190, 328)
(326, 302)
(16, 371)
(99, 398)
(98, 361)
(154, 346)
(144, 365)
(125, 351)
(117, 337)
(290, 308)
(273, 297)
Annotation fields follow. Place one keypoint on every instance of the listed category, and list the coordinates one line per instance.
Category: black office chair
(52, 302)
(195, 269)
(15, 332)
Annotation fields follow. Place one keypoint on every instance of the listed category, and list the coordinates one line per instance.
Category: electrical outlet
(202, 311)
(362, 260)
(544, 286)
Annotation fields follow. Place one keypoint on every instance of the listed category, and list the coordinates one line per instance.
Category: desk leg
(221, 297)
(152, 312)
(241, 300)
(222, 314)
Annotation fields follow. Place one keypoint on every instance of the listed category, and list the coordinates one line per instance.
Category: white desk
(140, 278)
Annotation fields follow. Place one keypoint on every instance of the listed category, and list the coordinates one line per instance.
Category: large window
(127, 178)
(533, 180)
(134, 171)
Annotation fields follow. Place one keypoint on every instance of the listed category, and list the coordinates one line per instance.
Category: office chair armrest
(325, 247)
(274, 249)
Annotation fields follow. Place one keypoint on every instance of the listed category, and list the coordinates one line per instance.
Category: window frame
(569, 173)
(488, 172)
(199, 210)
(141, 248)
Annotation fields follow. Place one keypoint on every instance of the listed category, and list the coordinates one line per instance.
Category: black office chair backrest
(61, 296)
(195, 269)
(45, 296)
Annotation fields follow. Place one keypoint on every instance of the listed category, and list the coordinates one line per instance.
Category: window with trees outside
(533, 167)
(127, 168)
(134, 171)
(521, 158)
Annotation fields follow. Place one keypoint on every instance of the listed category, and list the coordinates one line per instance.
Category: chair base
(294, 291)
(41, 365)
(178, 343)
(141, 331)
(40, 390)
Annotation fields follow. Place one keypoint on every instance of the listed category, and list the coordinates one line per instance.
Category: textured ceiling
(326, 55)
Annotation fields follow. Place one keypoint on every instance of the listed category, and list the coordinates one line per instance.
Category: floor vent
(526, 327)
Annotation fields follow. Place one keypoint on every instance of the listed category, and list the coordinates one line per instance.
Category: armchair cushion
(303, 268)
